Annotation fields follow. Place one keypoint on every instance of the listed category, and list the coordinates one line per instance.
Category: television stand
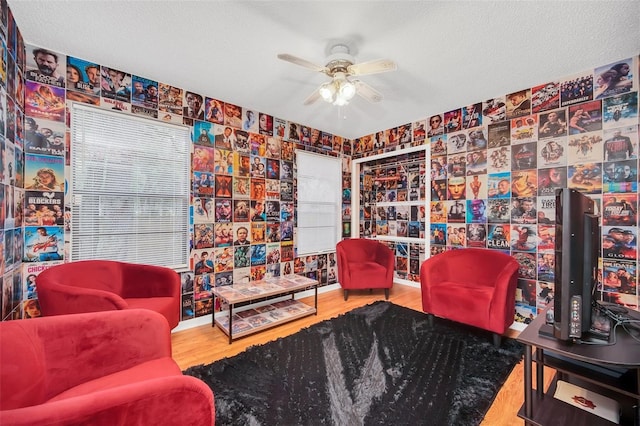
(546, 330)
(610, 370)
(589, 337)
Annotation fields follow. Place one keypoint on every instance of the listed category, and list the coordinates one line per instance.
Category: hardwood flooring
(205, 344)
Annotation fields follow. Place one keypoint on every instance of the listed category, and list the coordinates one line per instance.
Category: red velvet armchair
(472, 286)
(364, 264)
(101, 368)
(104, 285)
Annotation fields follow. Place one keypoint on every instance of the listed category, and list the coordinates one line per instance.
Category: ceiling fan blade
(372, 67)
(312, 97)
(302, 62)
(367, 92)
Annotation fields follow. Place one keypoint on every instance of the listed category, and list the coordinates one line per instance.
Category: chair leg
(386, 294)
(430, 319)
(497, 340)
(346, 294)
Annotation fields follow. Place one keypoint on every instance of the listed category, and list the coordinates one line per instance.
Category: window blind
(129, 189)
(319, 202)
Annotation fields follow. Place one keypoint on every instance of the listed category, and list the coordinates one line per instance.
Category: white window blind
(129, 189)
(319, 202)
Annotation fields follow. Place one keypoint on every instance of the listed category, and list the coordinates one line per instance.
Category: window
(319, 198)
(129, 189)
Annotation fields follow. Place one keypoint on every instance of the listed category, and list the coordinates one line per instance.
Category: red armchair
(364, 263)
(104, 285)
(472, 286)
(101, 368)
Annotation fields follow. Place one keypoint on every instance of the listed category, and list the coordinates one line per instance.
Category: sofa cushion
(157, 368)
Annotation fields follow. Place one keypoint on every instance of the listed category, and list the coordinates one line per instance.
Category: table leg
(637, 407)
(230, 323)
(213, 313)
(528, 403)
(316, 299)
(539, 372)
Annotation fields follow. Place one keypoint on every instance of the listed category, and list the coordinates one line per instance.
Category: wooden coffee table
(251, 320)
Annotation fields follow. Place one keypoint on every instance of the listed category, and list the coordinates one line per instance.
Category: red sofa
(472, 286)
(102, 368)
(104, 285)
(364, 264)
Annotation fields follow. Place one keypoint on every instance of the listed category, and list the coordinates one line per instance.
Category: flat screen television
(577, 250)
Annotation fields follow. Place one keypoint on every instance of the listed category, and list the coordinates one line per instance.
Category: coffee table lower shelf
(253, 320)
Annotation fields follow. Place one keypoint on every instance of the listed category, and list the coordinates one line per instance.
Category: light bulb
(328, 92)
(340, 101)
(347, 90)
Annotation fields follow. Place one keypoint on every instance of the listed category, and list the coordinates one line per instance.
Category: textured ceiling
(449, 53)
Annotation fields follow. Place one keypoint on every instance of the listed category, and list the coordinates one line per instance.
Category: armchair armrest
(383, 254)
(344, 276)
(149, 281)
(100, 344)
(64, 299)
(434, 269)
(171, 400)
(386, 258)
(505, 289)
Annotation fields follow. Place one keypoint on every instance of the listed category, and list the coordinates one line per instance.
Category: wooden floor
(205, 344)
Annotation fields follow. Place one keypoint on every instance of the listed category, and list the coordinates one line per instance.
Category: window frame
(328, 185)
(163, 202)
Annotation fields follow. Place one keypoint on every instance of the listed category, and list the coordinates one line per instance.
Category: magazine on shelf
(259, 320)
(240, 326)
(227, 292)
(284, 303)
(287, 284)
(276, 315)
(248, 313)
(263, 315)
(263, 309)
(589, 401)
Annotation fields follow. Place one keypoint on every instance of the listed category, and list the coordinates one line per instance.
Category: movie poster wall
(18, 297)
(392, 208)
(495, 166)
(243, 174)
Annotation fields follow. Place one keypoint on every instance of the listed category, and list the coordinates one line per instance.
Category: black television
(577, 250)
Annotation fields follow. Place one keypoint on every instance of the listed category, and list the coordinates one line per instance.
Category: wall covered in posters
(243, 174)
(18, 298)
(495, 166)
(393, 207)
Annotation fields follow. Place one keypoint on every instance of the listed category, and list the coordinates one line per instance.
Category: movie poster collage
(32, 217)
(243, 174)
(393, 205)
(495, 166)
(244, 201)
(243, 168)
(242, 181)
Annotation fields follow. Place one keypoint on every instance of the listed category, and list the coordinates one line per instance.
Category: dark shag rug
(381, 364)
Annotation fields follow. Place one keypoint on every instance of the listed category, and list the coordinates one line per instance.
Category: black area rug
(381, 364)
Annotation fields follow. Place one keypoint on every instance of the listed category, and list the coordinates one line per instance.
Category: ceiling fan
(341, 67)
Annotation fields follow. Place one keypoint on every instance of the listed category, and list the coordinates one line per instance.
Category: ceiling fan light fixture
(347, 90)
(341, 66)
(328, 92)
(340, 101)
